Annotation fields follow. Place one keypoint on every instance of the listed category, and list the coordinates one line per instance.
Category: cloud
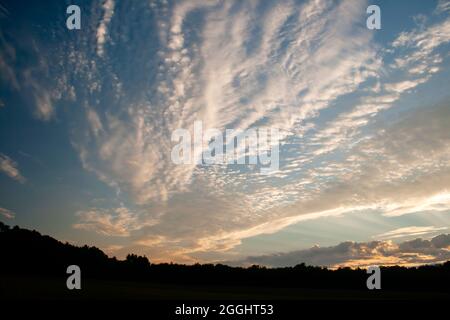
(400, 87)
(7, 60)
(408, 232)
(11, 168)
(119, 222)
(36, 77)
(8, 214)
(44, 106)
(436, 202)
(94, 122)
(4, 12)
(311, 69)
(418, 47)
(410, 175)
(102, 30)
(443, 6)
(134, 150)
(282, 66)
(420, 60)
(362, 254)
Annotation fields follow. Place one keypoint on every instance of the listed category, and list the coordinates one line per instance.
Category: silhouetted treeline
(26, 252)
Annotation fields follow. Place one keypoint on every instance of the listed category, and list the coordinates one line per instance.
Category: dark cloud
(412, 252)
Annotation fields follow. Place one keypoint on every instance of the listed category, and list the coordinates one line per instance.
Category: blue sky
(86, 118)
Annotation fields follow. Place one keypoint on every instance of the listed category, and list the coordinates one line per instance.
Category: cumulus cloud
(9, 167)
(363, 254)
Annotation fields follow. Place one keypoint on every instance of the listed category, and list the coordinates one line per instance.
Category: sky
(87, 118)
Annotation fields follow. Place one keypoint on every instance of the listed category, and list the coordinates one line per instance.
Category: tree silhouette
(25, 252)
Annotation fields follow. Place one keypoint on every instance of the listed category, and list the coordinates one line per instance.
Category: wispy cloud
(443, 6)
(102, 30)
(409, 232)
(118, 222)
(299, 64)
(310, 69)
(11, 168)
(8, 214)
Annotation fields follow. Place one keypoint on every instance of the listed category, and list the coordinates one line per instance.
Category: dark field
(33, 267)
(49, 288)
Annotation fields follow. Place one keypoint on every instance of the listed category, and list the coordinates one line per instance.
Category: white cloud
(11, 168)
(409, 232)
(419, 46)
(301, 63)
(94, 122)
(443, 6)
(400, 87)
(289, 66)
(437, 202)
(44, 105)
(118, 222)
(391, 185)
(102, 30)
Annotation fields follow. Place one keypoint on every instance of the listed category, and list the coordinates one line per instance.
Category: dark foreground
(15, 287)
(48, 297)
(33, 276)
